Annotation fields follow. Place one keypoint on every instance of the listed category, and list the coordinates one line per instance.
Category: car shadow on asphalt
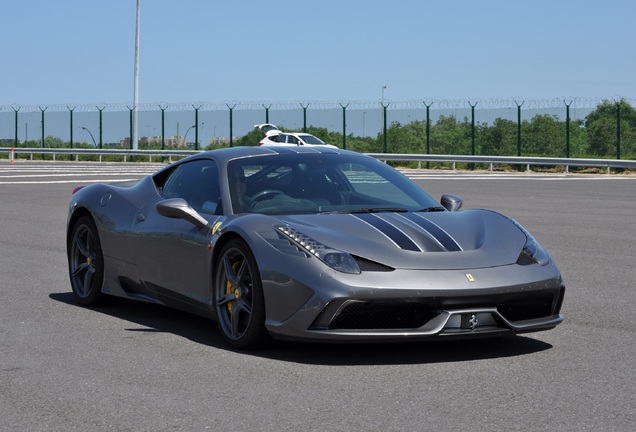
(155, 318)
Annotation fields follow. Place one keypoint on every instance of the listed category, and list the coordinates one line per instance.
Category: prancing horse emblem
(473, 322)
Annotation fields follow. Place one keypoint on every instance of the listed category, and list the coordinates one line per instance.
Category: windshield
(320, 183)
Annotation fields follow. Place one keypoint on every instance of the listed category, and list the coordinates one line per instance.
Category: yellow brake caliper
(230, 288)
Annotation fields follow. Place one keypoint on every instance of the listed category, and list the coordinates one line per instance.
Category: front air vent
(371, 266)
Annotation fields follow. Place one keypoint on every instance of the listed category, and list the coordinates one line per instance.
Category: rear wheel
(86, 263)
(238, 297)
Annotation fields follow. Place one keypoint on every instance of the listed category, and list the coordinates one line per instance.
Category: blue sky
(82, 51)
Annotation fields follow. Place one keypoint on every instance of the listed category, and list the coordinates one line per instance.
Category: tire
(86, 263)
(238, 297)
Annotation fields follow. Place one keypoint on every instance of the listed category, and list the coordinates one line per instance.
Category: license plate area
(470, 320)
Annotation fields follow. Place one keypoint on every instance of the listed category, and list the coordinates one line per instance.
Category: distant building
(219, 141)
(174, 141)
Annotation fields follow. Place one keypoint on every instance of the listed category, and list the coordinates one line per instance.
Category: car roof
(298, 133)
(226, 154)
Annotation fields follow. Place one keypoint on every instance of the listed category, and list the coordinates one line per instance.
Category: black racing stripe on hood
(439, 234)
(394, 234)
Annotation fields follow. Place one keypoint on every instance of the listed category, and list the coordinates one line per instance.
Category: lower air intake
(527, 308)
(382, 315)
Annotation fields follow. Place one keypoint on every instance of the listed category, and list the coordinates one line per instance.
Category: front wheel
(238, 297)
(86, 263)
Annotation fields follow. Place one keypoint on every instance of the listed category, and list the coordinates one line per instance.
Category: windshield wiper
(368, 210)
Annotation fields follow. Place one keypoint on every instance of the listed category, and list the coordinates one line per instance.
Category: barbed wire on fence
(557, 102)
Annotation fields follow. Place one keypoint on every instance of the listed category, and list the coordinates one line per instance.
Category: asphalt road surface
(138, 367)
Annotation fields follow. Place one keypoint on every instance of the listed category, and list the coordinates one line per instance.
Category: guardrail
(419, 158)
(510, 160)
(125, 153)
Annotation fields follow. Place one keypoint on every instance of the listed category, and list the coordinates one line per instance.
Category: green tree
(364, 144)
(448, 136)
(54, 142)
(251, 139)
(601, 126)
(542, 136)
(578, 139)
(500, 139)
(402, 139)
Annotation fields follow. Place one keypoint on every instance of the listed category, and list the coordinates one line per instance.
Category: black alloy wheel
(86, 263)
(238, 297)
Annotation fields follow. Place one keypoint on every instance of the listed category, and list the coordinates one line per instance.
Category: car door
(174, 258)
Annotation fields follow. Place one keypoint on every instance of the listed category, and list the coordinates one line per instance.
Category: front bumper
(337, 311)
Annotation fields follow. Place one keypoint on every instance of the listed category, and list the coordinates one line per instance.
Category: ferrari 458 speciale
(309, 244)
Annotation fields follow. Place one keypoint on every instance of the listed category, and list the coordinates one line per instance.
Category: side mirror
(451, 202)
(178, 208)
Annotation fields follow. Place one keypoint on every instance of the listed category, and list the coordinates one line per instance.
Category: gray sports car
(314, 244)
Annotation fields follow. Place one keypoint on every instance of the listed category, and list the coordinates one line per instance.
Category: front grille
(520, 309)
(382, 315)
(379, 315)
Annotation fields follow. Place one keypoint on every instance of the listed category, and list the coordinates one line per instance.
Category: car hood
(418, 240)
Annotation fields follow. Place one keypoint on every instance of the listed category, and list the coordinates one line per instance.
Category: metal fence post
(304, 117)
(231, 108)
(344, 125)
(384, 107)
(163, 126)
(100, 126)
(42, 142)
(428, 131)
(131, 126)
(472, 131)
(15, 141)
(71, 113)
(618, 130)
(196, 127)
(519, 127)
(567, 129)
(472, 128)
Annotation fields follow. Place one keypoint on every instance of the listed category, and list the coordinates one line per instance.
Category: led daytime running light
(306, 242)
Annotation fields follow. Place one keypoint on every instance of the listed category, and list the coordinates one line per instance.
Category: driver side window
(292, 139)
(197, 182)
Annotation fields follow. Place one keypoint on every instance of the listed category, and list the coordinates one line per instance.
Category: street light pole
(136, 84)
(185, 143)
(92, 137)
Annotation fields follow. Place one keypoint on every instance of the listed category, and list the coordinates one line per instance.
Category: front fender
(282, 268)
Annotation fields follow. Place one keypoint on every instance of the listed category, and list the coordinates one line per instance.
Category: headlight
(334, 258)
(532, 251)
